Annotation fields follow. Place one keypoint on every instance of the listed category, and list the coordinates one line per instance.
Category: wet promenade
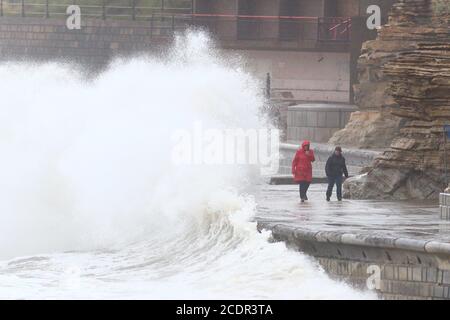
(279, 204)
(405, 245)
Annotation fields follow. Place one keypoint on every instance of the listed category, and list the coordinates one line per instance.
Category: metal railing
(168, 19)
(335, 29)
(95, 8)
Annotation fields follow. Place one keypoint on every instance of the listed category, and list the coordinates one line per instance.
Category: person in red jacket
(302, 168)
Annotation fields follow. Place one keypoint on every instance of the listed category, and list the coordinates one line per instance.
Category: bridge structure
(308, 47)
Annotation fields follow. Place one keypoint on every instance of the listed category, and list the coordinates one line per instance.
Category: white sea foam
(93, 207)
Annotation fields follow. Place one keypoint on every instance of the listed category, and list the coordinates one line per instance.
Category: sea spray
(93, 207)
(88, 164)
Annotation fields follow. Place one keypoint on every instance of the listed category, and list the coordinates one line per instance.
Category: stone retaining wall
(398, 268)
(316, 122)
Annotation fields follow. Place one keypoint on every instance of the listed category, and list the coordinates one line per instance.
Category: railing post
(104, 9)
(23, 8)
(151, 26)
(445, 156)
(216, 26)
(319, 26)
(268, 86)
(133, 14)
(47, 9)
(302, 33)
(260, 35)
(349, 30)
(173, 24)
(1, 8)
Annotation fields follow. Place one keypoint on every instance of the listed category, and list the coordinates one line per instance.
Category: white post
(444, 205)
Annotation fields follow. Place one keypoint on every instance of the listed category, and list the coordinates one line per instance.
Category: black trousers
(304, 186)
(335, 181)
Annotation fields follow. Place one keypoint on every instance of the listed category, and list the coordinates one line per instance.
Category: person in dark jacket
(335, 169)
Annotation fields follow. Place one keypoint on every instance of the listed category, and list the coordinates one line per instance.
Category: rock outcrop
(373, 126)
(418, 80)
(368, 129)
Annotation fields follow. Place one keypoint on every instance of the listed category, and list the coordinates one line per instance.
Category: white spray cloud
(86, 166)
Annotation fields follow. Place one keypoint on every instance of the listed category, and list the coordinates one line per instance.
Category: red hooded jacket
(302, 164)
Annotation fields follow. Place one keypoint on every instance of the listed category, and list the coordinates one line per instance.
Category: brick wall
(96, 42)
(398, 281)
(408, 268)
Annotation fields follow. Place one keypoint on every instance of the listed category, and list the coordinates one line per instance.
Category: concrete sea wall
(396, 268)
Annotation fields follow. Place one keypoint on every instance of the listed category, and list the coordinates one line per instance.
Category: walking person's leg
(307, 184)
(303, 188)
(339, 187)
(330, 187)
(300, 189)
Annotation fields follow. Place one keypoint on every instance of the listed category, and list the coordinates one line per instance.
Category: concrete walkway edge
(433, 247)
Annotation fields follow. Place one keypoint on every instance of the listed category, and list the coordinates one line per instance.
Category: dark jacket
(335, 166)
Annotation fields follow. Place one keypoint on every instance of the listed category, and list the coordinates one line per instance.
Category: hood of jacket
(304, 144)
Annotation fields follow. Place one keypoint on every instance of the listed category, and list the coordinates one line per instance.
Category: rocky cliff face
(373, 126)
(417, 79)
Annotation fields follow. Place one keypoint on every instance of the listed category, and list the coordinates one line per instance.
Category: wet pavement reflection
(406, 219)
